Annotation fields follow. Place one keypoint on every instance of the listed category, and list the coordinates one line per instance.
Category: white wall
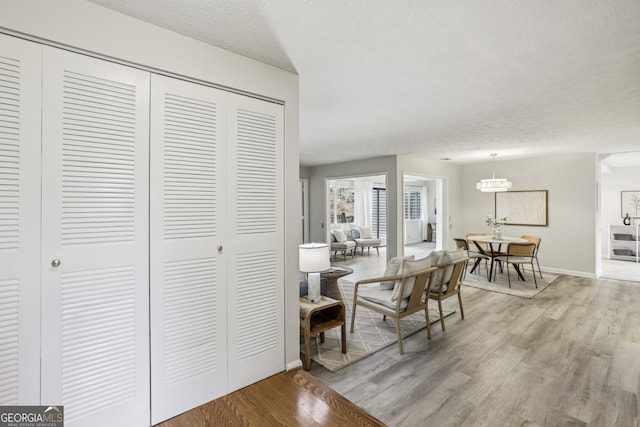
(413, 229)
(569, 242)
(92, 29)
(612, 183)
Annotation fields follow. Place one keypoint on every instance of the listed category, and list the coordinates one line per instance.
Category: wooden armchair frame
(453, 286)
(416, 302)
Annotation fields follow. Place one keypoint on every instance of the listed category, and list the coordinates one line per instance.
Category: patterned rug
(524, 289)
(370, 334)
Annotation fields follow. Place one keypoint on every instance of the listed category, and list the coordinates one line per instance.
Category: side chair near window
(518, 254)
(364, 239)
(407, 286)
(340, 243)
(474, 255)
(536, 240)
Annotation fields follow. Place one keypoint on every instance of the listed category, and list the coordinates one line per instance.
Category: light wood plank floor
(570, 356)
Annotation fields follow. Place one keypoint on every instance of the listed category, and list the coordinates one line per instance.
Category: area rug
(370, 334)
(524, 289)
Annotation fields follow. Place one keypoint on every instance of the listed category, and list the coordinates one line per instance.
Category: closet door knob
(219, 248)
(55, 263)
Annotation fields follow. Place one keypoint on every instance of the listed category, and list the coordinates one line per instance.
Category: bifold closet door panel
(188, 281)
(95, 247)
(20, 68)
(256, 243)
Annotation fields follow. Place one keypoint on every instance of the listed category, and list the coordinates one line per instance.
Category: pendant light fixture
(494, 184)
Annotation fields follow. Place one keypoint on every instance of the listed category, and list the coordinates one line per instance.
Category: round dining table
(495, 246)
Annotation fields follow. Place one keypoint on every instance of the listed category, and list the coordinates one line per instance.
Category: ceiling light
(494, 184)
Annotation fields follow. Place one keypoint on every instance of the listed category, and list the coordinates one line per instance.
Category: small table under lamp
(314, 258)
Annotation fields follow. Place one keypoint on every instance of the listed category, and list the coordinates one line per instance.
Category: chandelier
(493, 184)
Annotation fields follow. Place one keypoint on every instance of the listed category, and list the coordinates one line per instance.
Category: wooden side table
(332, 276)
(315, 318)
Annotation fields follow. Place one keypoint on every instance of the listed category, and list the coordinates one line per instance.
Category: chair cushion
(339, 235)
(339, 246)
(380, 296)
(449, 257)
(368, 242)
(365, 232)
(394, 267)
(355, 233)
(409, 267)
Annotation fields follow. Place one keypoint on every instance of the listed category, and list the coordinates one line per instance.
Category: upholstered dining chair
(474, 255)
(518, 254)
(536, 240)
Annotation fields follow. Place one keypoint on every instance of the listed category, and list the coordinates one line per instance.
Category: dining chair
(482, 247)
(518, 254)
(486, 249)
(536, 240)
(476, 256)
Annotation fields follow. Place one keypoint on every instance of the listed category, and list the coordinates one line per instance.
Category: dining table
(495, 248)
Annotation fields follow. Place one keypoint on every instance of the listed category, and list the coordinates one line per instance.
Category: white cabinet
(623, 242)
(20, 92)
(141, 238)
(95, 192)
(188, 272)
(216, 245)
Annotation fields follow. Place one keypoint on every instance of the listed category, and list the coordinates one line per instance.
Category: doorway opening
(422, 215)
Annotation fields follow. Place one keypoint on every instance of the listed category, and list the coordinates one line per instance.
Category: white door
(95, 242)
(255, 244)
(19, 222)
(188, 281)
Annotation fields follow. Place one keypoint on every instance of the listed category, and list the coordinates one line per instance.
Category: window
(379, 213)
(341, 203)
(412, 203)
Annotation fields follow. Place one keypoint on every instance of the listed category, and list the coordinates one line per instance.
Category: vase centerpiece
(495, 224)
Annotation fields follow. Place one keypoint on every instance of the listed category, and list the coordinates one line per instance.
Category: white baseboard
(569, 272)
(296, 364)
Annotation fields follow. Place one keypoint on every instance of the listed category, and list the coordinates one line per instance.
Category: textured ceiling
(456, 79)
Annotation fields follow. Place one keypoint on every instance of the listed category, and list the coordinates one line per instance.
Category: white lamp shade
(314, 257)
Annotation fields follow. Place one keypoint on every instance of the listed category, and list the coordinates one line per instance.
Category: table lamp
(314, 258)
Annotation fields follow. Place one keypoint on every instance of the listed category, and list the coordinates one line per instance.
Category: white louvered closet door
(256, 243)
(95, 303)
(20, 65)
(188, 282)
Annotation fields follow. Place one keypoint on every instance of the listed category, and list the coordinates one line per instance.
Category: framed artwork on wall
(630, 204)
(523, 207)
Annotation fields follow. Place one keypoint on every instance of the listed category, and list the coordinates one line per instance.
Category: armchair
(340, 243)
(363, 238)
(407, 296)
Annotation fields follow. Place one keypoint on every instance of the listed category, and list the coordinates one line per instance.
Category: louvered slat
(9, 341)
(98, 339)
(98, 160)
(9, 225)
(190, 167)
(257, 323)
(256, 173)
(190, 319)
(9, 153)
